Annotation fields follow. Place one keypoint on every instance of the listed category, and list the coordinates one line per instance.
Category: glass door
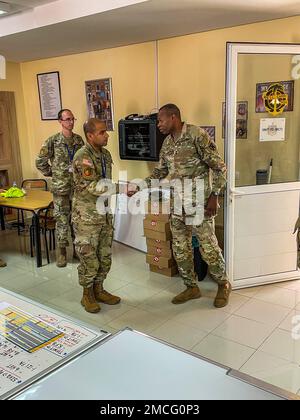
(262, 155)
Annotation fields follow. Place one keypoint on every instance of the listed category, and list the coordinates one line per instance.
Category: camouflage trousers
(62, 214)
(209, 248)
(93, 247)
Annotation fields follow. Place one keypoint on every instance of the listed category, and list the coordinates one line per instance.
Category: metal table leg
(2, 222)
(37, 235)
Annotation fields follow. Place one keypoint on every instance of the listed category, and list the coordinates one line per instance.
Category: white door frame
(233, 50)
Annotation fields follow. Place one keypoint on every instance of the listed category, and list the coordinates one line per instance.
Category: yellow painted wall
(191, 74)
(133, 84)
(192, 68)
(13, 83)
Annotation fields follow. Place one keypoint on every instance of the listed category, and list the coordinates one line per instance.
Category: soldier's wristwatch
(215, 193)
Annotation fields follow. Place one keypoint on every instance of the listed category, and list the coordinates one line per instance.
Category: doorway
(262, 154)
(10, 159)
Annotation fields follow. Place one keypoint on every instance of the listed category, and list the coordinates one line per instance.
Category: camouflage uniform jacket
(193, 155)
(92, 171)
(60, 151)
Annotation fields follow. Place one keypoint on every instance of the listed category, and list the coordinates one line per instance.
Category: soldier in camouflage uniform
(60, 150)
(92, 220)
(189, 153)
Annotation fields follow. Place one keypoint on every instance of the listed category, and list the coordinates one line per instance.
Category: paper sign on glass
(272, 129)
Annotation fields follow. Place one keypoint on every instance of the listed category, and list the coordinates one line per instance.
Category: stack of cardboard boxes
(159, 239)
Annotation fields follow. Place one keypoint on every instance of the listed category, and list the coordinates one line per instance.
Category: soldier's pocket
(110, 220)
(110, 228)
(85, 246)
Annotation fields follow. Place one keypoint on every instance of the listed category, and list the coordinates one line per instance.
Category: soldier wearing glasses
(55, 160)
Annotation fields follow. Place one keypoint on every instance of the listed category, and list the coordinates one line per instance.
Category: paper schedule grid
(24, 330)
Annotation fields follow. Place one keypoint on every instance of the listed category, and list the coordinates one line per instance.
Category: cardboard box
(161, 262)
(161, 217)
(157, 210)
(157, 225)
(156, 243)
(170, 272)
(162, 236)
(160, 252)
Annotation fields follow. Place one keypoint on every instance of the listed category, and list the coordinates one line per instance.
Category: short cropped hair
(171, 109)
(90, 125)
(59, 115)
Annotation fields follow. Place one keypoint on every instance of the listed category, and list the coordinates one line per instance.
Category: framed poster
(261, 88)
(241, 119)
(211, 131)
(99, 101)
(49, 95)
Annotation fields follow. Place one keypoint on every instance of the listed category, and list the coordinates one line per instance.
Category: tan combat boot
(88, 301)
(104, 296)
(223, 293)
(189, 293)
(61, 257)
(2, 263)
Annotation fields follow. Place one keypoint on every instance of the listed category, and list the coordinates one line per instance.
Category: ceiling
(14, 6)
(54, 28)
(28, 3)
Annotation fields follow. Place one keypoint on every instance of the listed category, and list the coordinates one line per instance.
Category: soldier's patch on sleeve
(44, 151)
(212, 145)
(87, 171)
(87, 162)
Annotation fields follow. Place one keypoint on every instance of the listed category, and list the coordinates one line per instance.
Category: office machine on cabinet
(139, 138)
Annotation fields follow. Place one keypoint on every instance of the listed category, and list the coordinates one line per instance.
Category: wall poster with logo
(263, 88)
(99, 101)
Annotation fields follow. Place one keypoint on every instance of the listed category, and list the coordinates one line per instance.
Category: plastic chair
(35, 184)
(30, 184)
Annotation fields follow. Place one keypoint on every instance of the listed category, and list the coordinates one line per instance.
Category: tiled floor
(252, 334)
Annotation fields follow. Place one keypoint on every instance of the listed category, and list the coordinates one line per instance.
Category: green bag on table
(13, 192)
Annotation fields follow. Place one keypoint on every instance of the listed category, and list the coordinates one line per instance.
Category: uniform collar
(183, 133)
(94, 151)
(184, 129)
(67, 140)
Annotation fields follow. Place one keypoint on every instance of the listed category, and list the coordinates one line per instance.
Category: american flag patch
(87, 162)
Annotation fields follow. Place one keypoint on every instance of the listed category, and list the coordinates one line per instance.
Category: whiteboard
(19, 368)
(128, 225)
(138, 367)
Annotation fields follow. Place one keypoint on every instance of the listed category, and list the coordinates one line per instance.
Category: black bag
(199, 265)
